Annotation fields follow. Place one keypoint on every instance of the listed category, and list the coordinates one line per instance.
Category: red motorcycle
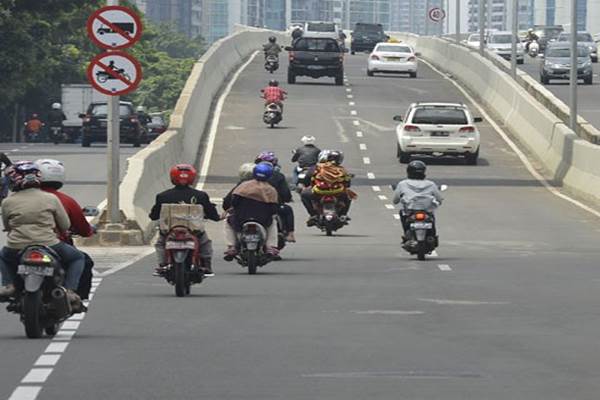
(184, 269)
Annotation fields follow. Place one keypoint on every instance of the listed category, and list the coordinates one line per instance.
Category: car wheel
(291, 78)
(369, 73)
(588, 80)
(403, 157)
(544, 80)
(413, 74)
(353, 52)
(85, 142)
(471, 158)
(339, 79)
(595, 60)
(521, 61)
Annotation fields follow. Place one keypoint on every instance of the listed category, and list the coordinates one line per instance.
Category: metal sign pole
(457, 21)
(481, 27)
(573, 75)
(112, 152)
(515, 36)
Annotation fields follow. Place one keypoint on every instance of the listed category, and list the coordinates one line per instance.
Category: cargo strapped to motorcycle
(190, 216)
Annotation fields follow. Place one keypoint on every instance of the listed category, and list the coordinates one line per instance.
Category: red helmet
(183, 175)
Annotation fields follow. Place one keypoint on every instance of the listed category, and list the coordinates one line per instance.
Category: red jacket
(273, 94)
(79, 224)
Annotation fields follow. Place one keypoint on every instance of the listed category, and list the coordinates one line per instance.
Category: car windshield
(314, 44)
(473, 38)
(440, 116)
(581, 37)
(320, 27)
(566, 52)
(368, 28)
(394, 49)
(500, 38)
(102, 110)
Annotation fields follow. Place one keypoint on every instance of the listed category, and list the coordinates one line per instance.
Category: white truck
(75, 99)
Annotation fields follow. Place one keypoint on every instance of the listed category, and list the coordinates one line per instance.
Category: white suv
(438, 129)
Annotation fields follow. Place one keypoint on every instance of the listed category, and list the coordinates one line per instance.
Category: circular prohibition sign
(437, 14)
(114, 27)
(114, 73)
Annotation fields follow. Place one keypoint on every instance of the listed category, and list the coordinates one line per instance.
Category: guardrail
(571, 160)
(148, 170)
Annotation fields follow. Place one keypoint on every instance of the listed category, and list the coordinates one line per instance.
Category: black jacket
(248, 209)
(306, 155)
(280, 184)
(56, 118)
(184, 195)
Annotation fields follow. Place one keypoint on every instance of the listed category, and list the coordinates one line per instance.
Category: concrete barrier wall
(571, 160)
(148, 171)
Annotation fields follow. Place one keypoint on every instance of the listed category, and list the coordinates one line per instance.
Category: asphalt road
(508, 310)
(588, 96)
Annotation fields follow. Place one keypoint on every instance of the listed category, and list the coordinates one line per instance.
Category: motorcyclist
(306, 156)
(253, 199)
(142, 116)
(33, 127)
(4, 164)
(272, 48)
(33, 217)
(56, 116)
(330, 178)
(416, 193)
(183, 177)
(297, 34)
(279, 182)
(274, 94)
(531, 37)
(52, 180)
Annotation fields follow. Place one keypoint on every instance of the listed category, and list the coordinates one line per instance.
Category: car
(547, 34)
(472, 41)
(501, 43)
(584, 39)
(557, 63)
(321, 29)
(156, 126)
(392, 58)
(366, 36)
(95, 122)
(438, 129)
(316, 57)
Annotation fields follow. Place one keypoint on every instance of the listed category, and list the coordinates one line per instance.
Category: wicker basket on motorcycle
(190, 216)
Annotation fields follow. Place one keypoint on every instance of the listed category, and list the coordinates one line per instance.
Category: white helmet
(53, 171)
(56, 106)
(246, 171)
(140, 109)
(308, 140)
(324, 156)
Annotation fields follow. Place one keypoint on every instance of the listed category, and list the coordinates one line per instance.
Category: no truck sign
(114, 27)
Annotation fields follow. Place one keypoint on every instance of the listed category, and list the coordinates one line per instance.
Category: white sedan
(472, 41)
(438, 129)
(393, 58)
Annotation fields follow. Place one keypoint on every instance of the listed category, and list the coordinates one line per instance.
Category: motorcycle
(271, 63)
(104, 76)
(57, 135)
(330, 219)
(184, 267)
(273, 114)
(302, 179)
(251, 244)
(534, 49)
(41, 299)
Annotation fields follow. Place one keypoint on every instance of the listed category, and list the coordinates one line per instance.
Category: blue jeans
(73, 261)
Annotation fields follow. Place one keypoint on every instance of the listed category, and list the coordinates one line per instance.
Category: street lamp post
(481, 26)
(457, 21)
(112, 152)
(573, 75)
(515, 35)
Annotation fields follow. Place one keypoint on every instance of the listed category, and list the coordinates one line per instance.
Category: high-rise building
(413, 16)
(369, 11)
(264, 13)
(183, 14)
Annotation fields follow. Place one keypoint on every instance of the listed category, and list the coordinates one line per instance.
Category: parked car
(547, 34)
(392, 58)
(557, 63)
(156, 126)
(584, 39)
(366, 36)
(95, 122)
(438, 129)
(501, 43)
(316, 57)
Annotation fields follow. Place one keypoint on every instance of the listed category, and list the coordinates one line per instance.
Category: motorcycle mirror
(397, 118)
(477, 119)
(81, 115)
(443, 188)
(393, 186)
(90, 211)
(288, 48)
(418, 54)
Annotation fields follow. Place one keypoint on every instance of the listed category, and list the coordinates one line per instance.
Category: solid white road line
(516, 149)
(47, 360)
(370, 175)
(376, 188)
(126, 264)
(56, 347)
(362, 146)
(37, 375)
(25, 393)
(359, 134)
(444, 267)
(366, 160)
(210, 144)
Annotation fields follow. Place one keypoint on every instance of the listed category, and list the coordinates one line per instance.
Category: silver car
(583, 39)
(501, 43)
(557, 64)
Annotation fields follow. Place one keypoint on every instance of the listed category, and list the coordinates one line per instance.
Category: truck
(75, 99)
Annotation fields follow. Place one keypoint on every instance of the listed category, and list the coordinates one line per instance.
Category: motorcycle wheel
(102, 78)
(272, 125)
(421, 252)
(328, 230)
(181, 285)
(52, 330)
(252, 263)
(32, 307)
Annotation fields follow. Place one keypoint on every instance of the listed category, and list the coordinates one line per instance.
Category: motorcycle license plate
(180, 245)
(35, 270)
(102, 124)
(422, 225)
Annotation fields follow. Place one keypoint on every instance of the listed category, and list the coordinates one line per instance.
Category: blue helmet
(263, 171)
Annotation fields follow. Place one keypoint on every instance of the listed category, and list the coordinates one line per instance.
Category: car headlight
(587, 64)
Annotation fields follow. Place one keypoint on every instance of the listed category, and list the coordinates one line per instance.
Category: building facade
(413, 16)
(185, 15)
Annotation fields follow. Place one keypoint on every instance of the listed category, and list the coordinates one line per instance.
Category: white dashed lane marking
(396, 216)
(376, 188)
(47, 360)
(444, 267)
(366, 160)
(353, 112)
(370, 175)
(389, 206)
(37, 375)
(350, 96)
(359, 134)
(382, 197)
(356, 123)
(25, 393)
(362, 146)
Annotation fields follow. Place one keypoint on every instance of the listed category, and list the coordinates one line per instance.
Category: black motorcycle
(271, 63)
(272, 115)
(104, 76)
(329, 218)
(57, 134)
(420, 238)
(251, 246)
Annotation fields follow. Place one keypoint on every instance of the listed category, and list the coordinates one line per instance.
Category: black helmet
(272, 39)
(333, 156)
(416, 170)
(273, 82)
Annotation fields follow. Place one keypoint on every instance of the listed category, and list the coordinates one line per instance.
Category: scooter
(534, 49)
(104, 76)
(273, 114)
(271, 63)
(57, 135)
(251, 242)
(329, 218)
(184, 263)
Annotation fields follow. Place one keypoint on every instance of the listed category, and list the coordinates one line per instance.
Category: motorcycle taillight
(36, 257)
(250, 228)
(420, 216)
(328, 199)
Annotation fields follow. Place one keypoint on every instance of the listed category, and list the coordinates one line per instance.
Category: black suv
(366, 36)
(94, 125)
(316, 57)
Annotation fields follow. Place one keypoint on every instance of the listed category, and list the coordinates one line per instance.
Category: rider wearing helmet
(274, 94)
(531, 37)
(254, 199)
(329, 178)
(416, 192)
(142, 116)
(56, 116)
(306, 156)
(33, 217)
(183, 176)
(279, 182)
(272, 48)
